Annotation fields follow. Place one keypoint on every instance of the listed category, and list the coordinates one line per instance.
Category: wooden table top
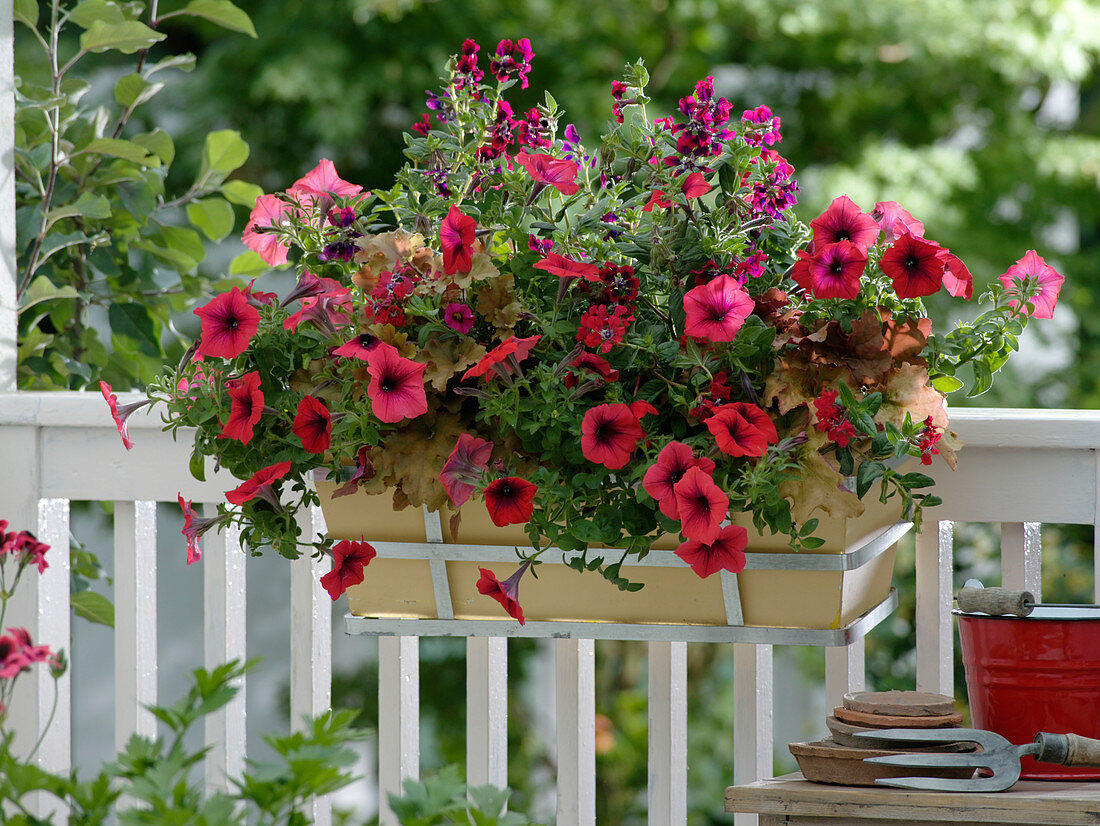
(1029, 801)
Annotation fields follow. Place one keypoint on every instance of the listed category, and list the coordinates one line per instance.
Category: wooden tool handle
(1068, 749)
(995, 601)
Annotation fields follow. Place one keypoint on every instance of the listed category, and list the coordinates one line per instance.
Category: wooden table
(792, 800)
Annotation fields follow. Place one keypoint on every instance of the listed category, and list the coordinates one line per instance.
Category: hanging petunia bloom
(609, 434)
(702, 505)
(464, 468)
(349, 558)
(914, 265)
(194, 526)
(364, 469)
(267, 214)
(358, 348)
(564, 267)
(507, 592)
(320, 182)
(458, 317)
(510, 501)
(592, 363)
(396, 387)
(310, 285)
(1033, 271)
(121, 413)
(313, 425)
(742, 429)
(674, 460)
(261, 484)
(844, 221)
(518, 348)
(456, 237)
(695, 185)
(228, 324)
(957, 279)
(831, 270)
(546, 169)
(725, 553)
(326, 311)
(716, 310)
(657, 199)
(895, 221)
(246, 406)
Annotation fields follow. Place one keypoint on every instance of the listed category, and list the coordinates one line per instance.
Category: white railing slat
(1021, 557)
(398, 718)
(9, 271)
(753, 721)
(667, 786)
(135, 619)
(845, 670)
(55, 630)
(224, 604)
(487, 711)
(575, 704)
(935, 591)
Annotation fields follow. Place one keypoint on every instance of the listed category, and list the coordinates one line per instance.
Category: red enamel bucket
(1036, 673)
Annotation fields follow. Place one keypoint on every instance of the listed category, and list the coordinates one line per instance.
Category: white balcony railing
(1019, 468)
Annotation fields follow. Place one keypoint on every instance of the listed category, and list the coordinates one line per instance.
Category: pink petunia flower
(564, 267)
(895, 221)
(364, 469)
(121, 413)
(702, 505)
(194, 526)
(831, 270)
(358, 348)
(957, 279)
(674, 460)
(464, 468)
(1033, 271)
(458, 317)
(261, 484)
(246, 406)
(268, 213)
(228, 324)
(320, 182)
(546, 169)
(725, 553)
(742, 429)
(396, 387)
(609, 434)
(517, 348)
(456, 237)
(507, 592)
(716, 310)
(349, 558)
(844, 221)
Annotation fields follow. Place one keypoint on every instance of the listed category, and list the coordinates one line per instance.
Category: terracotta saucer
(826, 762)
(894, 721)
(900, 703)
(844, 734)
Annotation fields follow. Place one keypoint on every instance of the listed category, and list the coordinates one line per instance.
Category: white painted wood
(753, 721)
(398, 718)
(54, 630)
(935, 640)
(845, 670)
(575, 682)
(667, 786)
(1021, 557)
(487, 711)
(433, 533)
(135, 620)
(223, 564)
(731, 596)
(8, 270)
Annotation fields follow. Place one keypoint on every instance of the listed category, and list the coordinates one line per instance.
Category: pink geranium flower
(844, 221)
(674, 460)
(609, 434)
(716, 310)
(1033, 271)
(464, 468)
(725, 553)
(742, 429)
(456, 237)
(396, 387)
(313, 425)
(267, 214)
(831, 270)
(546, 169)
(702, 505)
(121, 413)
(914, 265)
(349, 558)
(246, 406)
(228, 324)
(507, 592)
(262, 484)
(510, 501)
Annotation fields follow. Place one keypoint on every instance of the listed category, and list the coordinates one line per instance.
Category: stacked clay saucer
(839, 757)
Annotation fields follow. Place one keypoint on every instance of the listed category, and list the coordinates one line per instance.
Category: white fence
(1019, 468)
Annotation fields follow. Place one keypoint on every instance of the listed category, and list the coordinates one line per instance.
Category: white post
(135, 620)
(935, 642)
(54, 629)
(667, 786)
(1021, 557)
(398, 719)
(9, 275)
(487, 711)
(753, 725)
(845, 670)
(575, 668)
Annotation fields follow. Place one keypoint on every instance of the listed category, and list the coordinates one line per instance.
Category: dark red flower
(313, 425)
(592, 363)
(121, 413)
(456, 237)
(742, 429)
(832, 419)
(609, 434)
(349, 558)
(831, 270)
(464, 468)
(844, 221)
(364, 469)
(701, 504)
(564, 267)
(261, 484)
(507, 592)
(674, 460)
(725, 553)
(546, 169)
(228, 324)
(358, 348)
(926, 441)
(695, 185)
(510, 501)
(246, 406)
(396, 387)
(915, 266)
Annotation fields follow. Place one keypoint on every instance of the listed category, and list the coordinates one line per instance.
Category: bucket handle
(995, 601)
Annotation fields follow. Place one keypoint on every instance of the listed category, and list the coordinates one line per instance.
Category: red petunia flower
(358, 348)
(507, 592)
(246, 406)
(674, 460)
(742, 429)
(464, 468)
(349, 558)
(915, 266)
(228, 324)
(657, 199)
(396, 387)
(261, 484)
(456, 237)
(609, 434)
(957, 279)
(510, 501)
(313, 425)
(519, 348)
(594, 364)
(831, 270)
(267, 213)
(1034, 271)
(546, 169)
(310, 285)
(725, 553)
(702, 505)
(695, 185)
(564, 267)
(895, 221)
(844, 221)
(121, 413)
(716, 310)
(194, 526)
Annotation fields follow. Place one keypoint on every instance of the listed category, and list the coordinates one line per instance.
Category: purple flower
(458, 317)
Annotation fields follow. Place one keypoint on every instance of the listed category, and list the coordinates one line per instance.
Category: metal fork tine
(943, 784)
(921, 734)
(917, 761)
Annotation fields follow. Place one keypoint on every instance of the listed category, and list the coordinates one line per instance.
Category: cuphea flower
(725, 553)
(762, 126)
(701, 504)
(349, 558)
(121, 413)
(267, 214)
(844, 221)
(674, 460)
(313, 425)
(510, 501)
(609, 434)
(456, 237)
(396, 387)
(262, 484)
(1033, 272)
(458, 317)
(926, 441)
(716, 310)
(246, 405)
(512, 57)
(914, 265)
(831, 270)
(464, 468)
(546, 169)
(742, 429)
(228, 324)
(507, 592)
(832, 419)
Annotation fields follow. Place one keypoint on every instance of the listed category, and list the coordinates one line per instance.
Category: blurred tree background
(982, 117)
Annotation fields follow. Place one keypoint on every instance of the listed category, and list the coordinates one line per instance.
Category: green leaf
(247, 264)
(222, 12)
(58, 241)
(811, 542)
(916, 480)
(866, 475)
(214, 216)
(241, 192)
(159, 143)
(223, 152)
(127, 37)
(94, 608)
(88, 205)
(728, 179)
(133, 322)
(26, 12)
(89, 12)
(133, 90)
(42, 289)
(127, 150)
(946, 384)
(983, 379)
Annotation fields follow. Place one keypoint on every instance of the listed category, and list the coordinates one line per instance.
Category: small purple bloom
(458, 317)
(571, 134)
(342, 217)
(540, 245)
